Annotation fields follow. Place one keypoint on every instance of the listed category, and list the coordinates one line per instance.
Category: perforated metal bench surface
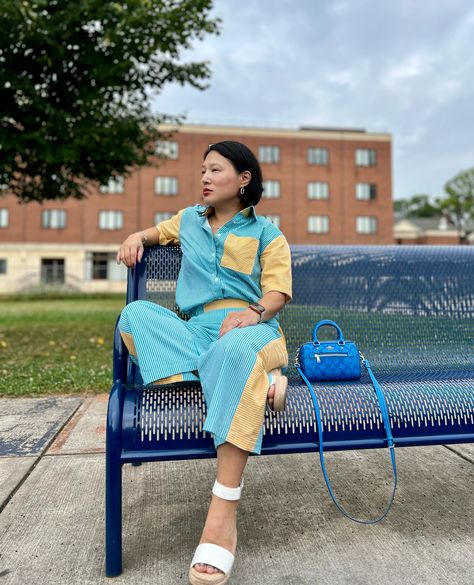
(411, 309)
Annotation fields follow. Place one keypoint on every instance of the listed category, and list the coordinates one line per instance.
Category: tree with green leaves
(75, 82)
(458, 205)
(415, 207)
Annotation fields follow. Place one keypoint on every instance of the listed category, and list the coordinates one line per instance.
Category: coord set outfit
(220, 273)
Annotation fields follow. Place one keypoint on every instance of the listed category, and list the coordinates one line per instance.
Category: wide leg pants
(232, 369)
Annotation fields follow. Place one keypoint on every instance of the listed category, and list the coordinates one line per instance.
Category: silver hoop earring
(242, 190)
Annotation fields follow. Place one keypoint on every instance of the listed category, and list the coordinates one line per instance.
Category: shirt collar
(247, 212)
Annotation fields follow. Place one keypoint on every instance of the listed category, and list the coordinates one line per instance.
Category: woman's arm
(131, 250)
(273, 301)
(166, 232)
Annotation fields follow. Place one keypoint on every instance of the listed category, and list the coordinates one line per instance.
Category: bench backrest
(405, 306)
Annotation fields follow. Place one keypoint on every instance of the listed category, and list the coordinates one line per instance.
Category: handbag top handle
(330, 323)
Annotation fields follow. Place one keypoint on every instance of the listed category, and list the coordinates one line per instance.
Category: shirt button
(218, 235)
(216, 278)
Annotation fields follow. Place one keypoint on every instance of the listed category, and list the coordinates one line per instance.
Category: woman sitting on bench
(235, 277)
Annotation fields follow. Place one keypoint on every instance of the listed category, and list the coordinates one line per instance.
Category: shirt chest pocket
(239, 253)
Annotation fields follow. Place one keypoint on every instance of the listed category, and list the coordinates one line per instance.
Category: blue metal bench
(409, 308)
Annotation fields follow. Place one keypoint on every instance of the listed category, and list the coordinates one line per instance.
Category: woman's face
(220, 181)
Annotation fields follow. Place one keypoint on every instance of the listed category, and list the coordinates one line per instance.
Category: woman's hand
(239, 319)
(131, 250)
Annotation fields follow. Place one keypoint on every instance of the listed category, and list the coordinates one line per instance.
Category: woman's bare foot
(270, 395)
(276, 395)
(220, 529)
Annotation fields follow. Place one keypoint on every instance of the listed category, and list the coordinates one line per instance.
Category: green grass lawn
(61, 345)
(64, 345)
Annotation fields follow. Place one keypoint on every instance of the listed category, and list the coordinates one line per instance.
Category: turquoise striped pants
(232, 369)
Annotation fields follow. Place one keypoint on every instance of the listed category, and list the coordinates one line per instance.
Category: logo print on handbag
(329, 360)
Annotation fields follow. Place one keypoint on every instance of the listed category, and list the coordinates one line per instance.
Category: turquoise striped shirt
(246, 258)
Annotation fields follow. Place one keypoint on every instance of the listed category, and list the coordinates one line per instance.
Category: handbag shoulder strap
(388, 432)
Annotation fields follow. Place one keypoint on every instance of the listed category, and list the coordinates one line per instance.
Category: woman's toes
(203, 568)
(271, 394)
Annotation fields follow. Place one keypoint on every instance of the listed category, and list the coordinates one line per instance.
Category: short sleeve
(275, 263)
(168, 230)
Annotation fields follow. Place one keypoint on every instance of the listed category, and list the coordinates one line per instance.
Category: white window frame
(168, 149)
(317, 190)
(163, 216)
(54, 219)
(166, 186)
(115, 185)
(318, 155)
(110, 219)
(4, 217)
(269, 154)
(318, 224)
(366, 191)
(366, 224)
(365, 157)
(271, 189)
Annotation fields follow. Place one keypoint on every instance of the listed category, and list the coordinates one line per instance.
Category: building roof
(304, 132)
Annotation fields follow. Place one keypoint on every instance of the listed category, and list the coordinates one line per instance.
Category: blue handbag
(329, 360)
(319, 361)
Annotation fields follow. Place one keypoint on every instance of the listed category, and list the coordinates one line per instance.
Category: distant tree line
(456, 205)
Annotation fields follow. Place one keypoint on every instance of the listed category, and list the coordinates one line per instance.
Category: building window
(166, 185)
(269, 154)
(99, 265)
(318, 156)
(366, 191)
(167, 149)
(103, 266)
(3, 218)
(366, 225)
(318, 224)
(365, 157)
(271, 189)
(54, 219)
(110, 220)
(52, 270)
(318, 190)
(163, 216)
(275, 219)
(115, 185)
(3, 266)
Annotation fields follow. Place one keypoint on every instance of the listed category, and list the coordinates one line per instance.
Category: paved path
(52, 510)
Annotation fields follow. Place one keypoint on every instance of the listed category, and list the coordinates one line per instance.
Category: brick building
(322, 186)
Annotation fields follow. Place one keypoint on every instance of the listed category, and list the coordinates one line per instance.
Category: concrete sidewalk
(290, 533)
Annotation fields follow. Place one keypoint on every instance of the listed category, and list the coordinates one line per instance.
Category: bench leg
(113, 519)
(113, 487)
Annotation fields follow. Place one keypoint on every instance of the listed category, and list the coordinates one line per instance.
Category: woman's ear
(246, 178)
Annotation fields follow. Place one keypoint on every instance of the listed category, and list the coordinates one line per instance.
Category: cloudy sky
(399, 66)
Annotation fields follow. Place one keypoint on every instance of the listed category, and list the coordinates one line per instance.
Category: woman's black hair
(243, 159)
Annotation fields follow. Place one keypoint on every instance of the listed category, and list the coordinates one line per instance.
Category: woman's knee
(126, 315)
(236, 348)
